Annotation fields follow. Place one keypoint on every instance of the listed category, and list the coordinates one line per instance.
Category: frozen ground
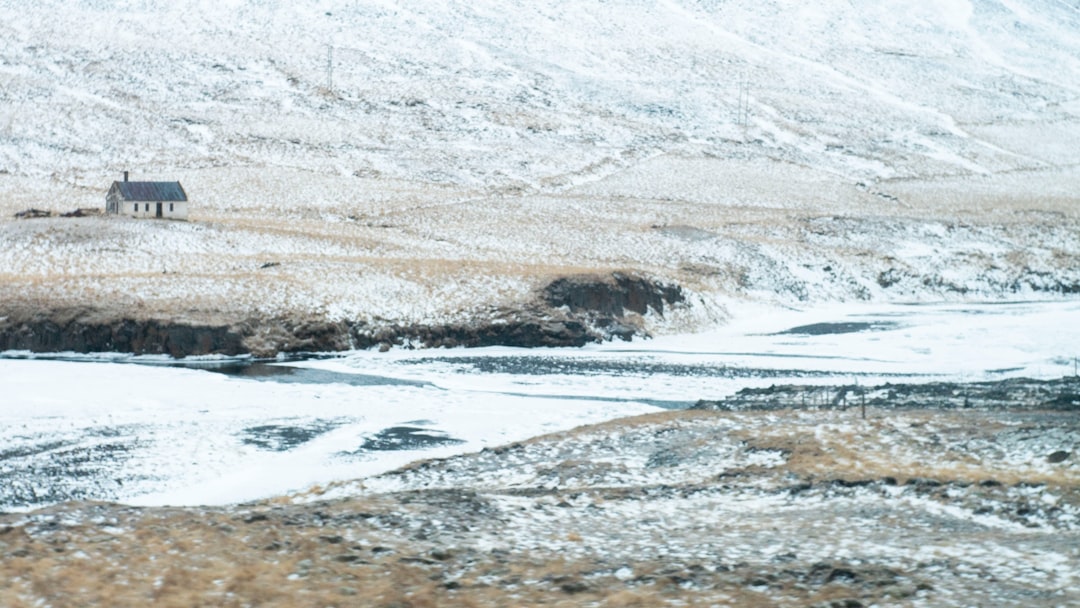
(152, 433)
(444, 161)
(796, 507)
(798, 170)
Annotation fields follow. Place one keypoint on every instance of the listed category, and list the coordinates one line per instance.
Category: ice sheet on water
(182, 436)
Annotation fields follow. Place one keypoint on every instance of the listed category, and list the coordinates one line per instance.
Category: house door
(158, 210)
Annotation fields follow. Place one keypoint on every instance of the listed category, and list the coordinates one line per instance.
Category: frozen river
(149, 431)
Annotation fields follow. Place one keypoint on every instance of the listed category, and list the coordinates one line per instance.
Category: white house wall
(180, 211)
(148, 210)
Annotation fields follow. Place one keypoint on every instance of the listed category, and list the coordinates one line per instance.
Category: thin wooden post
(862, 398)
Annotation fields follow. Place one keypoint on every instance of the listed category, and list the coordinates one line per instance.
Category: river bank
(157, 430)
(790, 507)
(570, 311)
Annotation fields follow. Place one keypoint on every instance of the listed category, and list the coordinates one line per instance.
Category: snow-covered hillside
(535, 94)
(416, 160)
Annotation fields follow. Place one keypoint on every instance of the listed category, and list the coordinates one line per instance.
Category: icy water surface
(156, 431)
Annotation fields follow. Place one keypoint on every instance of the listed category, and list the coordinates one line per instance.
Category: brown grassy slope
(707, 524)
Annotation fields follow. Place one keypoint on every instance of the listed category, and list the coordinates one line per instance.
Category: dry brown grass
(174, 560)
(283, 554)
(428, 236)
(628, 423)
(856, 450)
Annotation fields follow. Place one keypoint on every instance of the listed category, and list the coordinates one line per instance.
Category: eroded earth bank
(62, 294)
(569, 311)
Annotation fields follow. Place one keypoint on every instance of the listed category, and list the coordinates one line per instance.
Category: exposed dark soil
(86, 331)
(570, 311)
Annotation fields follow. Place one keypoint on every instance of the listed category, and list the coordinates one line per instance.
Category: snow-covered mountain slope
(413, 159)
(530, 93)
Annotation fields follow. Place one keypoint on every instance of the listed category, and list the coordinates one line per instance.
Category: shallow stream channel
(150, 431)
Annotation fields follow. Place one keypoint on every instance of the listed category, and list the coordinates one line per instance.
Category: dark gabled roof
(151, 191)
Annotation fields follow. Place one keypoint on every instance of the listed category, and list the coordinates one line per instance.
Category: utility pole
(862, 395)
(744, 103)
(330, 67)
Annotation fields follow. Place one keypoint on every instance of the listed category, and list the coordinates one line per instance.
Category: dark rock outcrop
(570, 311)
(606, 300)
(1058, 456)
(78, 333)
(83, 212)
(523, 330)
(1052, 395)
(30, 214)
(294, 334)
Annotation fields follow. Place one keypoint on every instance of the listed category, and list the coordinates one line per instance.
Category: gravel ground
(927, 506)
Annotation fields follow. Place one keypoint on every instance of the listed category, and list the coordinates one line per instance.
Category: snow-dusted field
(424, 163)
(846, 191)
(155, 434)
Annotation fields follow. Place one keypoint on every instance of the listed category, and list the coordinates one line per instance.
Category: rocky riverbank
(1052, 395)
(931, 505)
(569, 311)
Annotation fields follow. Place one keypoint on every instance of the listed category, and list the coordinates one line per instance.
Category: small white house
(166, 200)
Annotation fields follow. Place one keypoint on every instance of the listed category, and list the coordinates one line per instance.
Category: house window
(148, 206)
(170, 207)
(135, 208)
